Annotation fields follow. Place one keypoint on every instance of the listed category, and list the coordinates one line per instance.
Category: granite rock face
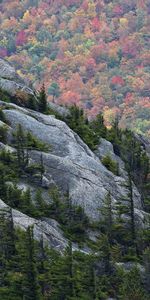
(6, 70)
(105, 148)
(48, 229)
(61, 110)
(145, 142)
(69, 163)
(10, 81)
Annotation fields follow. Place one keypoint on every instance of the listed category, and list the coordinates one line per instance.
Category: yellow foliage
(123, 21)
(92, 10)
(26, 17)
(80, 13)
(3, 42)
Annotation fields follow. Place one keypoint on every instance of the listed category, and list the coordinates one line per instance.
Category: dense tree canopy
(95, 52)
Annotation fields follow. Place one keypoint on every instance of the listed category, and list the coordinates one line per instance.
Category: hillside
(92, 53)
(74, 202)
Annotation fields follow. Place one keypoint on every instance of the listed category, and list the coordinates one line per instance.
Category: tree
(106, 220)
(42, 208)
(21, 146)
(131, 208)
(31, 288)
(44, 269)
(98, 126)
(131, 288)
(3, 186)
(54, 90)
(32, 102)
(42, 169)
(26, 205)
(42, 100)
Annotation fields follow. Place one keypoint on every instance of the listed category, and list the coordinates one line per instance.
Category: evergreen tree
(42, 208)
(26, 205)
(42, 169)
(31, 288)
(107, 217)
(42, 100)
(13, 196)
(43, 269)
(32, 102)
(21, 146)
(98, 126)
(3, 186)
(132, 288)
(105, 253)
(132, 212)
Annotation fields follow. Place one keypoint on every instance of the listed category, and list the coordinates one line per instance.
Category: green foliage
(4, 96)
(79, 123)
(131, 150)
(27, 141)
(42, 100)
(32, 103)
(72, 218)
(34, 143)
(98, 126)
(132, 288)
(54, 90)
(110, 164)
(28, 270)
(2, 116)
(3, 133)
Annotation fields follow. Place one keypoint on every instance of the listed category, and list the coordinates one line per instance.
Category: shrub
(34, 143)
(4, 96)
(110, 164)
(2, 116)
(3, 133)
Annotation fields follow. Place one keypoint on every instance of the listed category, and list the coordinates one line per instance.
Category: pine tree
(11, 235)
(42, 169)
(98, 126)
(21, 146)
(3, 245)
(31, 288)
(42, 208)
(42, 268)
(105, 253)
(13, 196)
(69, 256)
(42, 100)
(26, 205)
(107, 217)
(32, 103)
(132, 288)
(131, 211)
(3, 186)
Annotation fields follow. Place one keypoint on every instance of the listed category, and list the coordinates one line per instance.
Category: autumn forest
(94, 54)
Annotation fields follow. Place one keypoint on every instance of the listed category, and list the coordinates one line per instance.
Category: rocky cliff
(69, 163)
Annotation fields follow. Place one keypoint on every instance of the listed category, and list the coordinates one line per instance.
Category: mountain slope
(67, 161)
(73, 225)
(92, 53)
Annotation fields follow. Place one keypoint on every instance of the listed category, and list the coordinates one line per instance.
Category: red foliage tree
(21, 38)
